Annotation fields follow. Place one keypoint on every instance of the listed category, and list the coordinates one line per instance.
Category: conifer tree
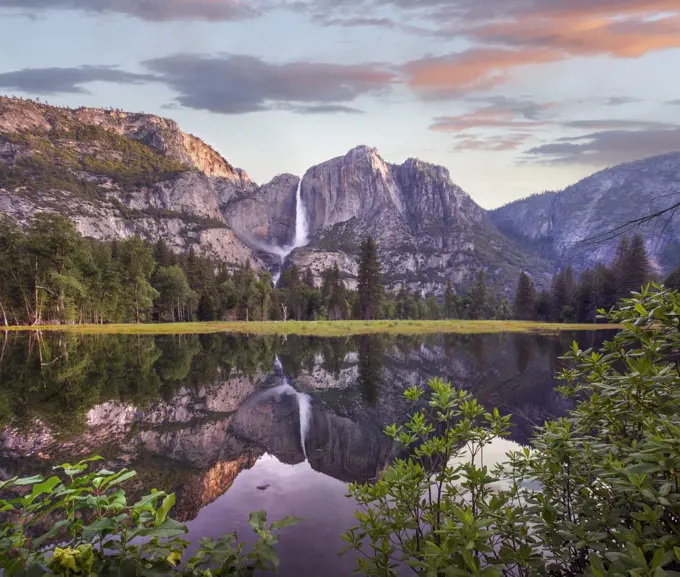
(586, 297)
(564, 296)
(525, 299)
(370, 273)
(638, 266)
(673, 280)
(479, 297)
(631, 266)
(450, 309)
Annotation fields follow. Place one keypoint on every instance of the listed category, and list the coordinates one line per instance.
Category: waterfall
(301, 224)
(304, 404)
(301, 233)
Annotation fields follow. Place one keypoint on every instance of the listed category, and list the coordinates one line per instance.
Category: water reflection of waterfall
(304, 402)
(301, 232)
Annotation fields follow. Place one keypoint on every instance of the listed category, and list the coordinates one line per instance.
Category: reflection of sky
(295, 490)
(310, 547)
(468, 94)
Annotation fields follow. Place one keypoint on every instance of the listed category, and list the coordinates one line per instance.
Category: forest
(53, 275)
(577, 299)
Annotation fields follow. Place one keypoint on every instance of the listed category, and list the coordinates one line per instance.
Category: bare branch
(634, 223)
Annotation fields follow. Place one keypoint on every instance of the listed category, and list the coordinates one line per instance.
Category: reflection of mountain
(336, 446)
(189, 415)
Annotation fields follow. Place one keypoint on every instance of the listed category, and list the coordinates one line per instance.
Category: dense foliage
(596, 494)
(577, 300)
(79, 522)
(54, 275)
(59, 159)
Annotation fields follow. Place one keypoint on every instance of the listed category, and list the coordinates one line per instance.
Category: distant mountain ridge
(118, 174)
(570, 226)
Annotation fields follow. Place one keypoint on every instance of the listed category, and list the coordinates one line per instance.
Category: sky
(514, 97)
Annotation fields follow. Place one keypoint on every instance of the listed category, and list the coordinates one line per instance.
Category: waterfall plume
(301, 224)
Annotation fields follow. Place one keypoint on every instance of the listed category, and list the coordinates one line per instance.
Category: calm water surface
(233, 424)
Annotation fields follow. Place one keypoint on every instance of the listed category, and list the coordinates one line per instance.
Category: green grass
(325, 328)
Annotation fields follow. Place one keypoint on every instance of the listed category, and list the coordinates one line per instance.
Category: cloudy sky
(513, 96)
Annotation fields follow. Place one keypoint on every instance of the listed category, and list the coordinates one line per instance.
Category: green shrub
(597, 494)
(78, 522)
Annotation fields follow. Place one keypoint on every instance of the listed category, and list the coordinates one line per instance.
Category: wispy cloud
(491, 143)
(508, 34)
(44, 81)
(607, 147)
(504, 113)
(236, 84)
(152, 10)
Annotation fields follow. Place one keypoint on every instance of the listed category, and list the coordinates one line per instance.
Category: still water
(234, 424)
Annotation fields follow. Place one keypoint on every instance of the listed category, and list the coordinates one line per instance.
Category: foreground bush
(80, 523)
(597, 494)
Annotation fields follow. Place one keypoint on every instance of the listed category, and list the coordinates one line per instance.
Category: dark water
(214, 417)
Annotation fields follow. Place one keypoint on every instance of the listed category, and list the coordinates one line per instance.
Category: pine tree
(637, 263)
(631, 266)
(336, 298)
(605, 287)
(673, 280)
(586, 297)
(309, 278)
(433, 309)
(564, 296)
(370, 273)
(450, 309)
(479, 297)
(525, 299)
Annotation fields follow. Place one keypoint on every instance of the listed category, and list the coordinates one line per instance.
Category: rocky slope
(562, 224)
(118, 175)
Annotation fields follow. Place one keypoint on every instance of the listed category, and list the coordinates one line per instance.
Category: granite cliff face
(118, 175)
(428, 230)
(561, 223)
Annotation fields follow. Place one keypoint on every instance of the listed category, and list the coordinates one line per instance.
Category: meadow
(322, 328)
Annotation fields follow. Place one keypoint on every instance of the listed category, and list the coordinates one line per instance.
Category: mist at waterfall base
(301, 237)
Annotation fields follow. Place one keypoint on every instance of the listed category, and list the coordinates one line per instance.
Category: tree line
(52, 274)
(572, 299)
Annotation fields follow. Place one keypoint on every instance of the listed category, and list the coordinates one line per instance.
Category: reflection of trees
(371, 363)
(334, 352)
(298, 352)
(524, 348)
(58, 378)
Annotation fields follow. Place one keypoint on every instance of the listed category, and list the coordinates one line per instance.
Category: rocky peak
(357, 185)
(162, 134)
(431, 198)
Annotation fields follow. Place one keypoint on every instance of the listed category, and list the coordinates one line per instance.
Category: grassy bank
(324, 328)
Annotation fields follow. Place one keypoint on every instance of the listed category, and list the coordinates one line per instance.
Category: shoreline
(319, 328)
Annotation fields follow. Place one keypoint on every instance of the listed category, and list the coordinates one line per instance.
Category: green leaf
(286, 522)
(45, 487)
(118, 478)
(29, 480)
(258, 520)
(101, 526)
(169, 528)
(162, 512)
